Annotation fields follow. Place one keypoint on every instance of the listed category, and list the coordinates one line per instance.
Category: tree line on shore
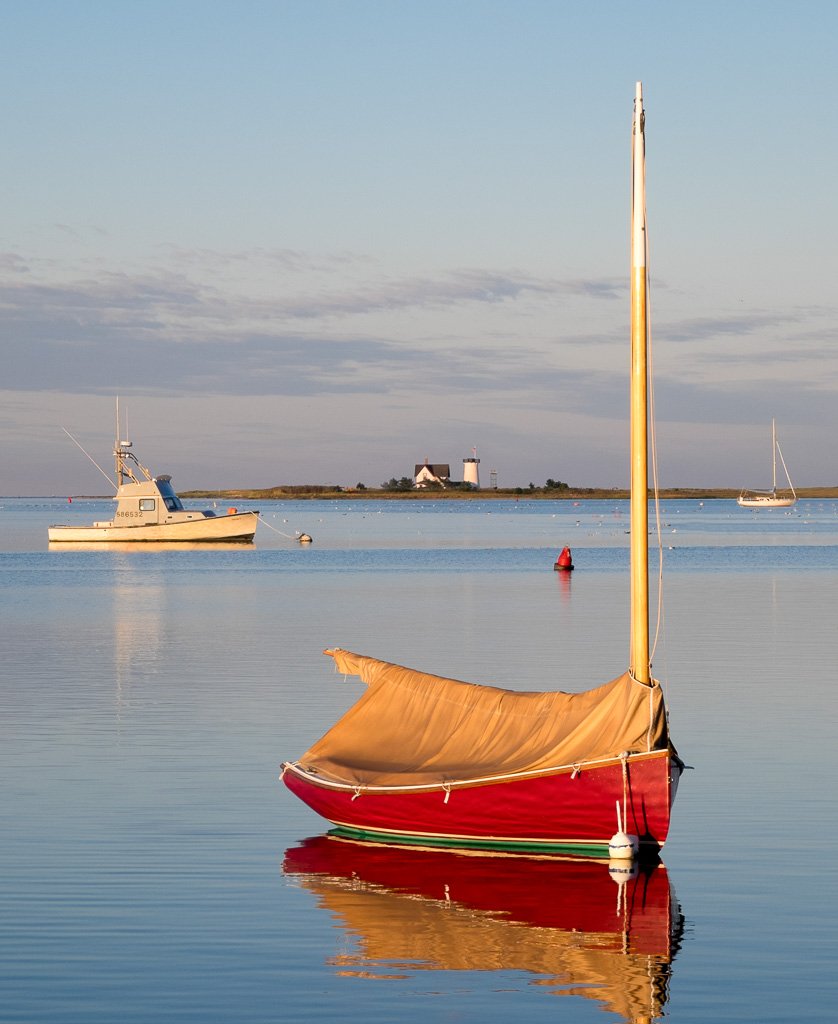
(403, 488)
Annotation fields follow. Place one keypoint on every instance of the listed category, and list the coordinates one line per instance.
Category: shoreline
(508, 494)
(322, 493)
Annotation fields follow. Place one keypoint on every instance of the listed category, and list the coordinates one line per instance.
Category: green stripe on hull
(599, 850)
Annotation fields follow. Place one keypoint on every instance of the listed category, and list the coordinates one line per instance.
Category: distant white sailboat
(770, 499)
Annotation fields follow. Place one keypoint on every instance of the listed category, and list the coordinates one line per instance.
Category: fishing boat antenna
(122, 471)
(124, 457)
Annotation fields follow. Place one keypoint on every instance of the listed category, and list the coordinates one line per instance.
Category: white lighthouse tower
(470, 471)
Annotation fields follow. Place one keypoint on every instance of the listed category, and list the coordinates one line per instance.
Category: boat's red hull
(565, 808)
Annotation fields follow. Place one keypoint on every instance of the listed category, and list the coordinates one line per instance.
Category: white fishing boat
(770, 499)
(148, 509)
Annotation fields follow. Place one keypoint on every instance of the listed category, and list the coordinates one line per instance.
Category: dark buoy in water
(304, 538)
(564, 563)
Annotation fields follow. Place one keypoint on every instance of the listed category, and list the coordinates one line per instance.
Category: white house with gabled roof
(431, 472)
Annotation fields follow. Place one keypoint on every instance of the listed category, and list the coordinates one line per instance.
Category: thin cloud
(456, 288)
(172, 329)
(171, 295)
(96, 358)
(702, 328)
(13, 263)
(291, 260)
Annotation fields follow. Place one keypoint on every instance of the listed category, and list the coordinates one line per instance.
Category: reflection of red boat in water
(563, 919)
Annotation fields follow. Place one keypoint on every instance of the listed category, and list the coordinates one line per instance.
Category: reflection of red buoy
(564, 563)
(231, 511)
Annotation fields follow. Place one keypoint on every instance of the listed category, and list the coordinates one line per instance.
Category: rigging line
(780, 450)
(95, 463)
(625, 795)
(288, 535)
(653, 439)
(665, 673)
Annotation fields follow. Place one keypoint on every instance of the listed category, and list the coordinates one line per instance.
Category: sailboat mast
(639, 651)
(773, 457)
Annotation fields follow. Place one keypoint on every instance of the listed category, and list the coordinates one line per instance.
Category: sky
(320, 241)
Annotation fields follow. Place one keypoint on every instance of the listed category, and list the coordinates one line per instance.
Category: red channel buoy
(564, 563)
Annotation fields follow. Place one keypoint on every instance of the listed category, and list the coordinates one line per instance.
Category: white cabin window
(147, 504)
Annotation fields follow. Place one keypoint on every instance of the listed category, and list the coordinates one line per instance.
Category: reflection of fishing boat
(149, 547)
(421, 758)
(562, 919)
(770, 499)
(149, 510)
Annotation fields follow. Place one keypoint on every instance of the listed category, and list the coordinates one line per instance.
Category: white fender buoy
(622, 846)
(623, 871)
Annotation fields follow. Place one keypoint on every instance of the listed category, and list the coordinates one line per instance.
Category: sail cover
(410, 728)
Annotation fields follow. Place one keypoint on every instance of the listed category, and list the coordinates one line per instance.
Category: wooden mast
(639, 651)
(774, 457)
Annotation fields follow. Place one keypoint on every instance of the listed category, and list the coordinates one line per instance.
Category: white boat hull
(766, 502)
(239, 526)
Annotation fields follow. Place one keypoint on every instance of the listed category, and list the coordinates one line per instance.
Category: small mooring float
(564, 563)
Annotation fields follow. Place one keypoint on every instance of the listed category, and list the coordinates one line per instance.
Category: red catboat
(459, 764)
(425, 759)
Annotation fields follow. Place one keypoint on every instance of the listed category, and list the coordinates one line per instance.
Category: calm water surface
(154, 868)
